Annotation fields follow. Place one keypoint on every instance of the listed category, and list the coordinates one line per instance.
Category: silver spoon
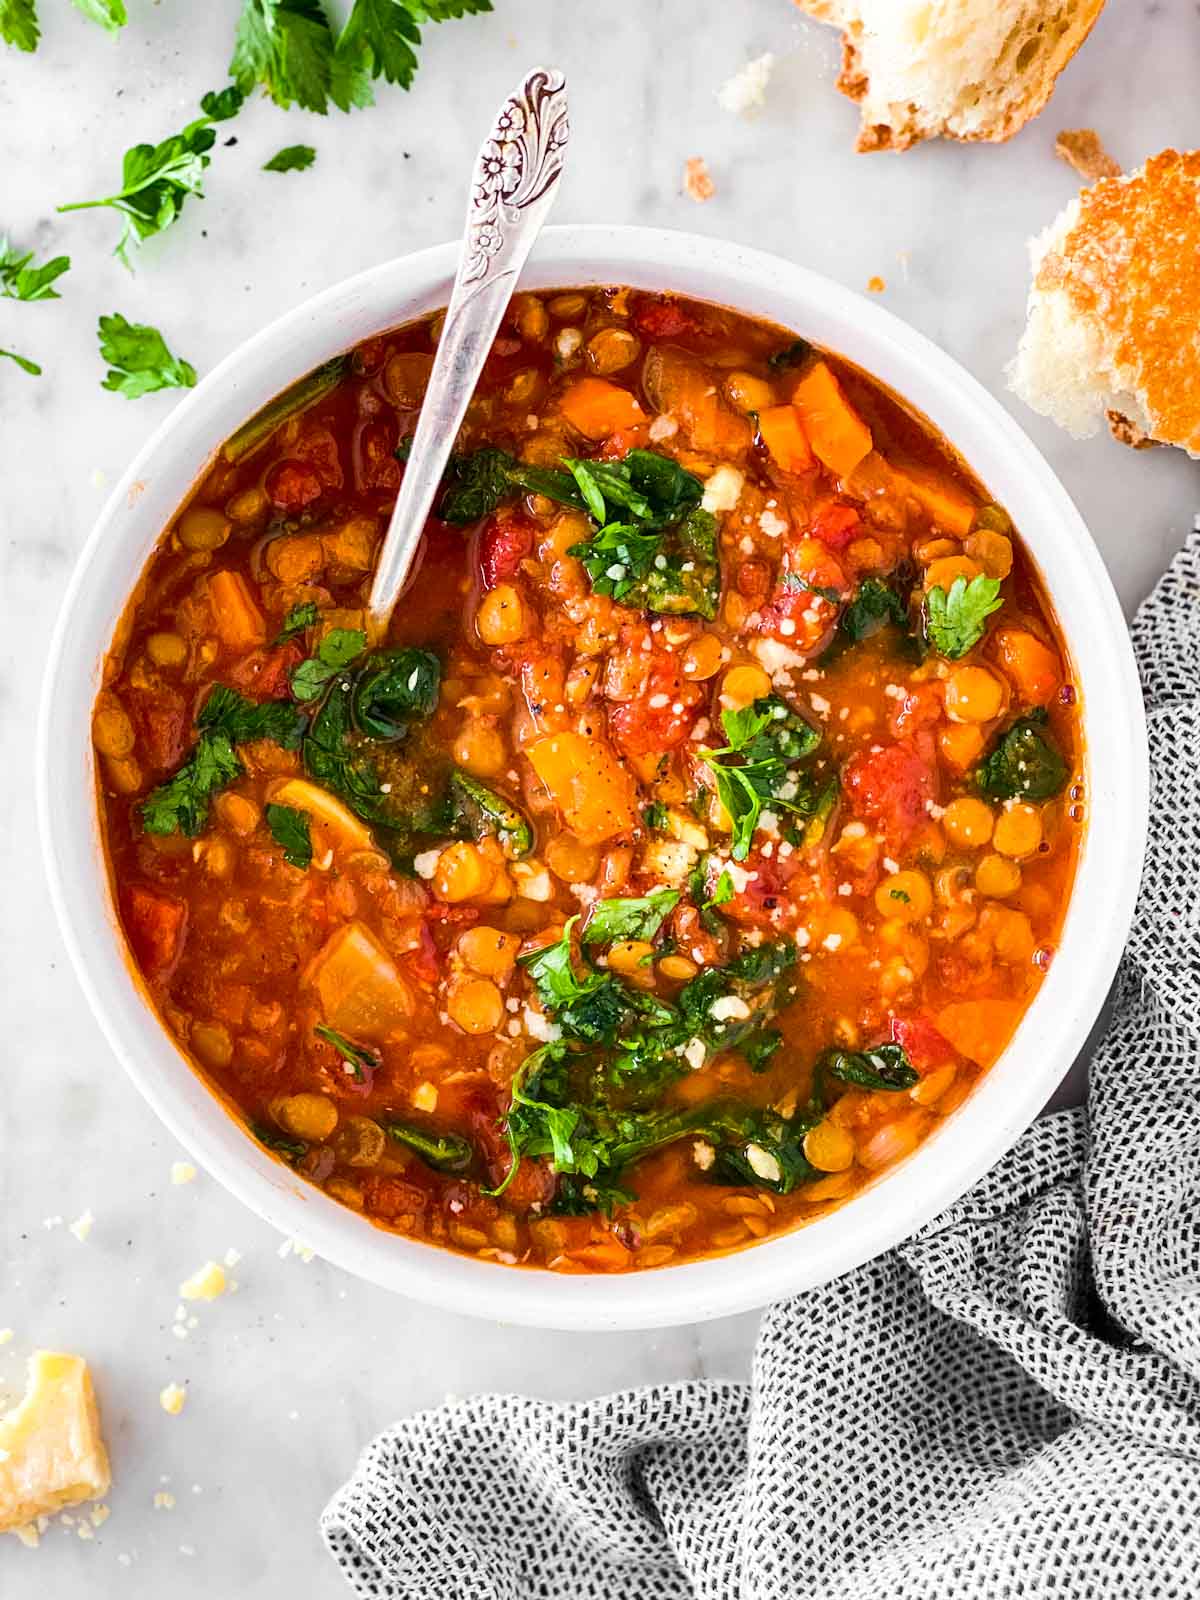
(514, 185)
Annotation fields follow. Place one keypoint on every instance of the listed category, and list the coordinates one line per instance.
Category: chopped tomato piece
(265, 674)
(503, 545)
(891, 786)
(761, 896)
(663, 319)
(157, 926)
(393, 1197)
(291, 486)
(835, 524)
(662, 715)
(161, 717)
(924, 1046)
(805, 604)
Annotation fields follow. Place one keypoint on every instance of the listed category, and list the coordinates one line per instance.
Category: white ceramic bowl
(1054, 1028)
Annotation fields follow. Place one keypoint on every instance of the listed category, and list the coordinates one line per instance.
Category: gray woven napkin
(1007, 1405)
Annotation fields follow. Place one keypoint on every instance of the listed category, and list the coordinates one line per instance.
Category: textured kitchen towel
(1008, 1405)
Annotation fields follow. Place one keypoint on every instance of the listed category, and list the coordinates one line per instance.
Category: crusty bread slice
(1114, 312)
(964, 69)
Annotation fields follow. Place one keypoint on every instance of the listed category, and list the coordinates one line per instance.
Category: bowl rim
(1052, 1030)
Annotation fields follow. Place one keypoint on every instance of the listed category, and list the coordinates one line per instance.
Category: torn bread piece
(51, 1451)
(1083, 149)
(1113, 321)
(958, 69)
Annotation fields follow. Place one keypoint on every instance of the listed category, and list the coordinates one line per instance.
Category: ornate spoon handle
(514, 185)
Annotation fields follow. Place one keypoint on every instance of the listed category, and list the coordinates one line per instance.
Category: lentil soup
(695, 839)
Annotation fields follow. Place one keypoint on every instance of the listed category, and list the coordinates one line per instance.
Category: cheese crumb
(694, 1054)
(82, 1226)
(723, 489)
(206, 1284)
(729, 1008)
(663, 427)
(703, 1154)
(746, 92)
(172, 1399)
(774, 527)
(425, 864)
(182, 1172)
(763, 1164)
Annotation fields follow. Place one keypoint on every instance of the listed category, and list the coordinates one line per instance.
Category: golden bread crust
(1128, 265)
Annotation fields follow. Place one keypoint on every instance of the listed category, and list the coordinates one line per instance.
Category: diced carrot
(587, 784)
(1032, 666)
(362, 993)
(838, 435)
(597, 408)
(681, 387)
(783, 434)
(236, 618)
(979, 1029)
(950, 508)
(156, 924)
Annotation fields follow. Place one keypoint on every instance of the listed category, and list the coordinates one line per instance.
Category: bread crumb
(172, 1399)
(164, 1500)
(82, 1226)
(1083, 149)
(206, 1284)
(697, 184)
(876, 285)
(1125, 431)
(182, 1172)
(746, 92)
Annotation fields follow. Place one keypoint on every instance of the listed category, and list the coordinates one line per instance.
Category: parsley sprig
(139, 360)
(753, 771)
(25, 364)
(21, 281)
(337, 649)
(955, 621)
(290, 828)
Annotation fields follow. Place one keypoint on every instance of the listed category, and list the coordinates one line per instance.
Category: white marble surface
(290, 1376)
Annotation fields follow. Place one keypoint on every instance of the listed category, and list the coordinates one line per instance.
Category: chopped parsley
(292, 158)
(139, 360)
(290, 829)
(21, 281)
(954, 622)
(305, 615)
(337, 649)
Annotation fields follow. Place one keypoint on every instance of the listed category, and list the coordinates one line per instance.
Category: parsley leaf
(722, 890)
(292, 158)
(290, 829)
(619, 918)
(288, 47)
(156, 180)
(873, 607)
(139, 359)
(955, 621)
(20, 281)
(753, 771)
(110, 14)
(219, 105)
(23, 362)
(380, 36)
(226, 719)
(360, 1059)
(19, 24)
(305, 615)
(655, 815)
(337, 649)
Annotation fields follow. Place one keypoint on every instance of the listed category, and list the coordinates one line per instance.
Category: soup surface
(694, 840)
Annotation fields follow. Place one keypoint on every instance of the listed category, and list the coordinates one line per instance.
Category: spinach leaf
(20, 281)
(305, 615)
(754, 771)
(444, 1152)
(292, 158)
(655, 815)
(302, 394)
(874, 606)
(139, 359)
(955, 622)
(226, 719)
(792, 355)
(290, 829)
(1024, 763)
(393, 689)
(282, 1144)
(886, 1066)
(723, 1006)
(481, 811)
(360, 1060)
(618, 918)
(337, 649)
(477, 483)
